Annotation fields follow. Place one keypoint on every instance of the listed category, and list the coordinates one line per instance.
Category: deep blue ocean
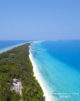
(5, 44)
(58, 63)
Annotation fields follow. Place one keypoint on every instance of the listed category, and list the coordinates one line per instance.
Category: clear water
(5, 44)
(58, 63)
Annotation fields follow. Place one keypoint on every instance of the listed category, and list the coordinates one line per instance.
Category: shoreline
(35, 70)
(12, 47)
(11, 60)
(39, 79)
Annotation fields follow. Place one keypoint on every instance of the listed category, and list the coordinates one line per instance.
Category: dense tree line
(15, 63)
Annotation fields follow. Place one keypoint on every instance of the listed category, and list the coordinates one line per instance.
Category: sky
(39, 19)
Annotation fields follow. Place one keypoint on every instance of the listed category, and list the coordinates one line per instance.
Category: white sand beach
(39, 79)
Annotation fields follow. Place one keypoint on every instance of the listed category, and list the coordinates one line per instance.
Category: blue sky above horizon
(39, 19)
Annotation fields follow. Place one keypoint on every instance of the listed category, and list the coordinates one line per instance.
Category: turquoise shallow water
(58, 63)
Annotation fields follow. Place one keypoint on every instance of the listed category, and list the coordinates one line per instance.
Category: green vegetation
(15, 63)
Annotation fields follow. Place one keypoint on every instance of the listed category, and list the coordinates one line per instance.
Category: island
(17, 81)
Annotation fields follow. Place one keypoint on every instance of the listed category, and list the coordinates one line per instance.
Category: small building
(17, 86)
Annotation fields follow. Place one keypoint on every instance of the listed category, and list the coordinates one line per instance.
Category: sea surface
(7, 44)
(58, 63)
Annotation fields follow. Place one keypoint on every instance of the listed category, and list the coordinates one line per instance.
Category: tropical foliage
(15, 63)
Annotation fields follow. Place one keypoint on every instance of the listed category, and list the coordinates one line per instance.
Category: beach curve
(39, 79)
